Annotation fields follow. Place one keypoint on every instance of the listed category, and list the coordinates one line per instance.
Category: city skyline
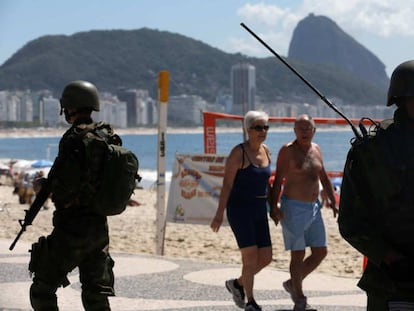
(385, 28)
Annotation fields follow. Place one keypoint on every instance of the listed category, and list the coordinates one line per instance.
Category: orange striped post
(163, 80)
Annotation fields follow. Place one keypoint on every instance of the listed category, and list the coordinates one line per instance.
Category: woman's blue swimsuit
(247, 205)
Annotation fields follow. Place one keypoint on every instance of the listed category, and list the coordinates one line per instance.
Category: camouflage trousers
(54, 256)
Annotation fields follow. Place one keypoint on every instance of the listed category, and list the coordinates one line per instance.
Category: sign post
(163, 82)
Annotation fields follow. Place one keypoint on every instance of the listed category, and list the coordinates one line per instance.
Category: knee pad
(98, 285)
(99, 279)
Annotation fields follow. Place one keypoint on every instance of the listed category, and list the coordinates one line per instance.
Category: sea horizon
(334, 144)
(57, 132)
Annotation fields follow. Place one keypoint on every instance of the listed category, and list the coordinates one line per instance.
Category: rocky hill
(133, 58)
(318, 40)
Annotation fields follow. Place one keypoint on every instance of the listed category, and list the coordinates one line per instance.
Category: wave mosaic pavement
(145, 282)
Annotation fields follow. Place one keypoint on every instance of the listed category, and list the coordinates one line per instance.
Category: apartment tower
(243, 88)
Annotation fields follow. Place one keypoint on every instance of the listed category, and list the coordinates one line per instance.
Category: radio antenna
(325, 100)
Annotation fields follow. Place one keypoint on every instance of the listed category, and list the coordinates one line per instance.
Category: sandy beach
(57, 132)
(134, 232)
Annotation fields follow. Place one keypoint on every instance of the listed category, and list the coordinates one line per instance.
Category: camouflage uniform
(376, 211)
(80, 236)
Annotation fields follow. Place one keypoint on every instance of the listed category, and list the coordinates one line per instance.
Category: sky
(385, 27)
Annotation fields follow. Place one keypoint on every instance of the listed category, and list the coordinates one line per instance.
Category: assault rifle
(359, 137)
(31, 213)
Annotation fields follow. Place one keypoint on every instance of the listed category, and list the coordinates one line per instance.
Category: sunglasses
(260, 128)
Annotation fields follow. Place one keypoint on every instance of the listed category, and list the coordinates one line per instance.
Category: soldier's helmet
(80, 95)
(402, 82)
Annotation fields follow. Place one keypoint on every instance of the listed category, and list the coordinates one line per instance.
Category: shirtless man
(299, 168)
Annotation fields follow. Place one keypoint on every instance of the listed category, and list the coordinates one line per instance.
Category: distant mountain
(116, 58)
(133, 58)
(318, 40)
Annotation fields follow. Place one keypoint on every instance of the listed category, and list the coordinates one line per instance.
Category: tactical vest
(381, 167)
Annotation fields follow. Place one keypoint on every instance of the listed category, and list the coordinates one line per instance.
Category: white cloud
(270, 15)
(250, 46)
(271, 23)
(379, 18)
(382, 18)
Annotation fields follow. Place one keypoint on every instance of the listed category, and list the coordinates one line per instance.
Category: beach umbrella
(337, 181)
(42, 163)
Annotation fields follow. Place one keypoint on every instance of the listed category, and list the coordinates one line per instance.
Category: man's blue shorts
(302, 224)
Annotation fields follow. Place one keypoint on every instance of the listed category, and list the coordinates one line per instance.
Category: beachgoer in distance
(376, 214)
(324, 198)
(299, 169)
(244, 197)
(80, 236)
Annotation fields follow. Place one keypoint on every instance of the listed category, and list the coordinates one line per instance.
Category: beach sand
(58, 132)
(134, 232)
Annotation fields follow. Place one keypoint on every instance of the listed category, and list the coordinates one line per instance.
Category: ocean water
(334, 145)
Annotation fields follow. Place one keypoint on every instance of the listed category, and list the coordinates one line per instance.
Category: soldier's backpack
(112, 181)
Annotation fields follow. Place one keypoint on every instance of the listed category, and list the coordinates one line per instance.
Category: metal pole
(163, 80)
(321, 96)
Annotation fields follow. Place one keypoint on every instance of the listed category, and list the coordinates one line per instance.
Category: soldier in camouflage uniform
(80, 236)
(376, 214)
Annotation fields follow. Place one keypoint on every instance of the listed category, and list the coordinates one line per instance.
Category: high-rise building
(111, 110)
(243, 87)
(51, 112)
(137, 106)
(186, 110)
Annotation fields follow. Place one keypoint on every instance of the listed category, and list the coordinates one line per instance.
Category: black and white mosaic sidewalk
(146, 282)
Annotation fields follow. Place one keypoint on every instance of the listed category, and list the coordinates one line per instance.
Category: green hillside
(133, 58)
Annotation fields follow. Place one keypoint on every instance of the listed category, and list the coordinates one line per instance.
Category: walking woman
(244, 196)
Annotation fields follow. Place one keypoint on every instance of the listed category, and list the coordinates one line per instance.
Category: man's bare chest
(306, 162)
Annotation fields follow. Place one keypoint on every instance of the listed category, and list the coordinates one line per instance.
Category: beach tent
(21, 166)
